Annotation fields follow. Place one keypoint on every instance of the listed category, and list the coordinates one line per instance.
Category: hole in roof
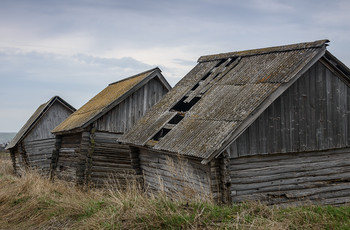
(206, 76)
(231, 61)
(195, 86)
(182, 106)
(216, 76)
(160, 134)
(220, 62)
(176, 119)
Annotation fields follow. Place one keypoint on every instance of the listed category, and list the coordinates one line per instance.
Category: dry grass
(33, 202)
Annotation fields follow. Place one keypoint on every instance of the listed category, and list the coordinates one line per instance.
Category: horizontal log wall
(39, 154)
(111, 162)
(18, 160)
(313, 114)
(293, 178)
(68, 159)
(35, 150)
(174, 175)
(124, 115)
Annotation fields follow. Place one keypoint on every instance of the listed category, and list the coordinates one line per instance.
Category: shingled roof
(109, 97)
(220, 97)
(37, 115)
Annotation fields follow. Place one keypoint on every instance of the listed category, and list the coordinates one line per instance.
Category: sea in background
(6, 137)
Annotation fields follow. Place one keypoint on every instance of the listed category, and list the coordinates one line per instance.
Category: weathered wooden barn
(33, 144)
(269, 124)
(86, 148)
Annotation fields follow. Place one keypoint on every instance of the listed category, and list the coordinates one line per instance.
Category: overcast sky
(75, 48)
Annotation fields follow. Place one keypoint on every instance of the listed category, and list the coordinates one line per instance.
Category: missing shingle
(231, 61)
(206, 76)
(220, 63)
(160, 134)
(183, 106)
(176, 119)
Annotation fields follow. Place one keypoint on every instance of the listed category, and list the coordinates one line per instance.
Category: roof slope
(112, 95)
(37, 115)
(223, 94)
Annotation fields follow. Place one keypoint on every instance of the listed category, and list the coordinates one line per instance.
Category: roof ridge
(284, 48)
(136, 75)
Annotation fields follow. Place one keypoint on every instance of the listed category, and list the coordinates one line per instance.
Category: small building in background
(87, 148)
(269, 124)
(33, 145)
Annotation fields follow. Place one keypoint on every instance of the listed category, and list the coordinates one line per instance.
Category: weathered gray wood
(36, 146)
(53, 117)
(171, 173)
(290, 177)
(123, 116)
(262, 107)
(314, 118)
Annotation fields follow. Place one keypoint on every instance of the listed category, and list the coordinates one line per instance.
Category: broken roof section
(37, 115)
(109, 97)
(220, 97)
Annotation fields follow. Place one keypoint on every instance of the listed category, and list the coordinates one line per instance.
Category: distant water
(6, 137)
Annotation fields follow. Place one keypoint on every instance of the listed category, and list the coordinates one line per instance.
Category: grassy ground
(4, 155)
(33, 202)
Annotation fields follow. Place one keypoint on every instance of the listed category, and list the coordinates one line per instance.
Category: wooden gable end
(52, 117)
(311, 115)
(123, 116)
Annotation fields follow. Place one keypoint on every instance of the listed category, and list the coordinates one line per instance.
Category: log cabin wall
(174, 175)
(36, 148)
(100, 159)
(68, 158)
(293, 178)
(110, 161)
(305, 136)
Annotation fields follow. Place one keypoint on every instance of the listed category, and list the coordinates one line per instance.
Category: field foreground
(32, 202)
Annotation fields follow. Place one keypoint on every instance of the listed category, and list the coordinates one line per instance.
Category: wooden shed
(87, 149)
(269, 124)
(33, 144)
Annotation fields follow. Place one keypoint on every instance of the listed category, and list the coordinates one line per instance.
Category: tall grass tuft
(33, 202)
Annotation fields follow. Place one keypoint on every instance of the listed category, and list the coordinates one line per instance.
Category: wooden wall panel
(53, 117)
(313, 114)
(123, 116)
(111, 162)
(68, 158)
(176, 176)
(292, 178)
(39, 154)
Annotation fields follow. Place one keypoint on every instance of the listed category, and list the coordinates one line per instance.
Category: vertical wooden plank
(295, 124)
(277, 125)
(302, 98)
(311, 107)
(342, 119)
(234, 150)
(253, 139)
(263, 130)
(348, 115)
(319, 115)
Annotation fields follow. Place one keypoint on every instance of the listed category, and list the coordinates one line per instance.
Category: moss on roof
(100, 102)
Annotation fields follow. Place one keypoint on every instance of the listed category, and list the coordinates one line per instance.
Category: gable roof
(223, 94)
(108, 98)
(37, 115)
